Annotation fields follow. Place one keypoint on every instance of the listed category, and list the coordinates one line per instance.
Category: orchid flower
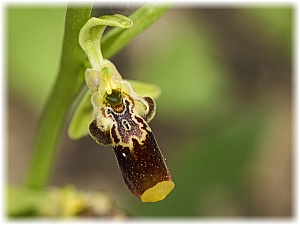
(119, 116)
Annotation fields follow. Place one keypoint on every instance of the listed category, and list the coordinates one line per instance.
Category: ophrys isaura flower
(121, 116)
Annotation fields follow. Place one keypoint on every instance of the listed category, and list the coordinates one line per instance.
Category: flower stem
(67, 85)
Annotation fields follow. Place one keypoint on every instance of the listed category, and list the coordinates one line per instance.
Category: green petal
(91, 33)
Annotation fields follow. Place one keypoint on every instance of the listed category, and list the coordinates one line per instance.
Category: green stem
(68, 84)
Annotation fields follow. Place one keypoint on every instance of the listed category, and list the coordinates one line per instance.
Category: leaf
(142, 18)
(23, 201)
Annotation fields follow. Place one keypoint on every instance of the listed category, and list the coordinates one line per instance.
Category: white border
(296, 103)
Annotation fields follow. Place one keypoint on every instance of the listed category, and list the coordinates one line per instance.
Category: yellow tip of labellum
(158, 192)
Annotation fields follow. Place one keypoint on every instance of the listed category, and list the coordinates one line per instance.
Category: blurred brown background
(223, 121)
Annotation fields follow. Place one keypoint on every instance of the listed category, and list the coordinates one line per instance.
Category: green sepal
(145, 89)
(81, 118)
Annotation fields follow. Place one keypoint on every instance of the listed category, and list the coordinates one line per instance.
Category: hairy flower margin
(121, 116)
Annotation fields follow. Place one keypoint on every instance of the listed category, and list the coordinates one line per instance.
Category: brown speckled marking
(101, 137)
(151, 109)
(146, 168)
(114, 134)
(126, 125)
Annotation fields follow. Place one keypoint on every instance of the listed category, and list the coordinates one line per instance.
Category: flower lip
(158, 192)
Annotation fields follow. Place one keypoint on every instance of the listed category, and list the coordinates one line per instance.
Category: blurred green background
(223, 121)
